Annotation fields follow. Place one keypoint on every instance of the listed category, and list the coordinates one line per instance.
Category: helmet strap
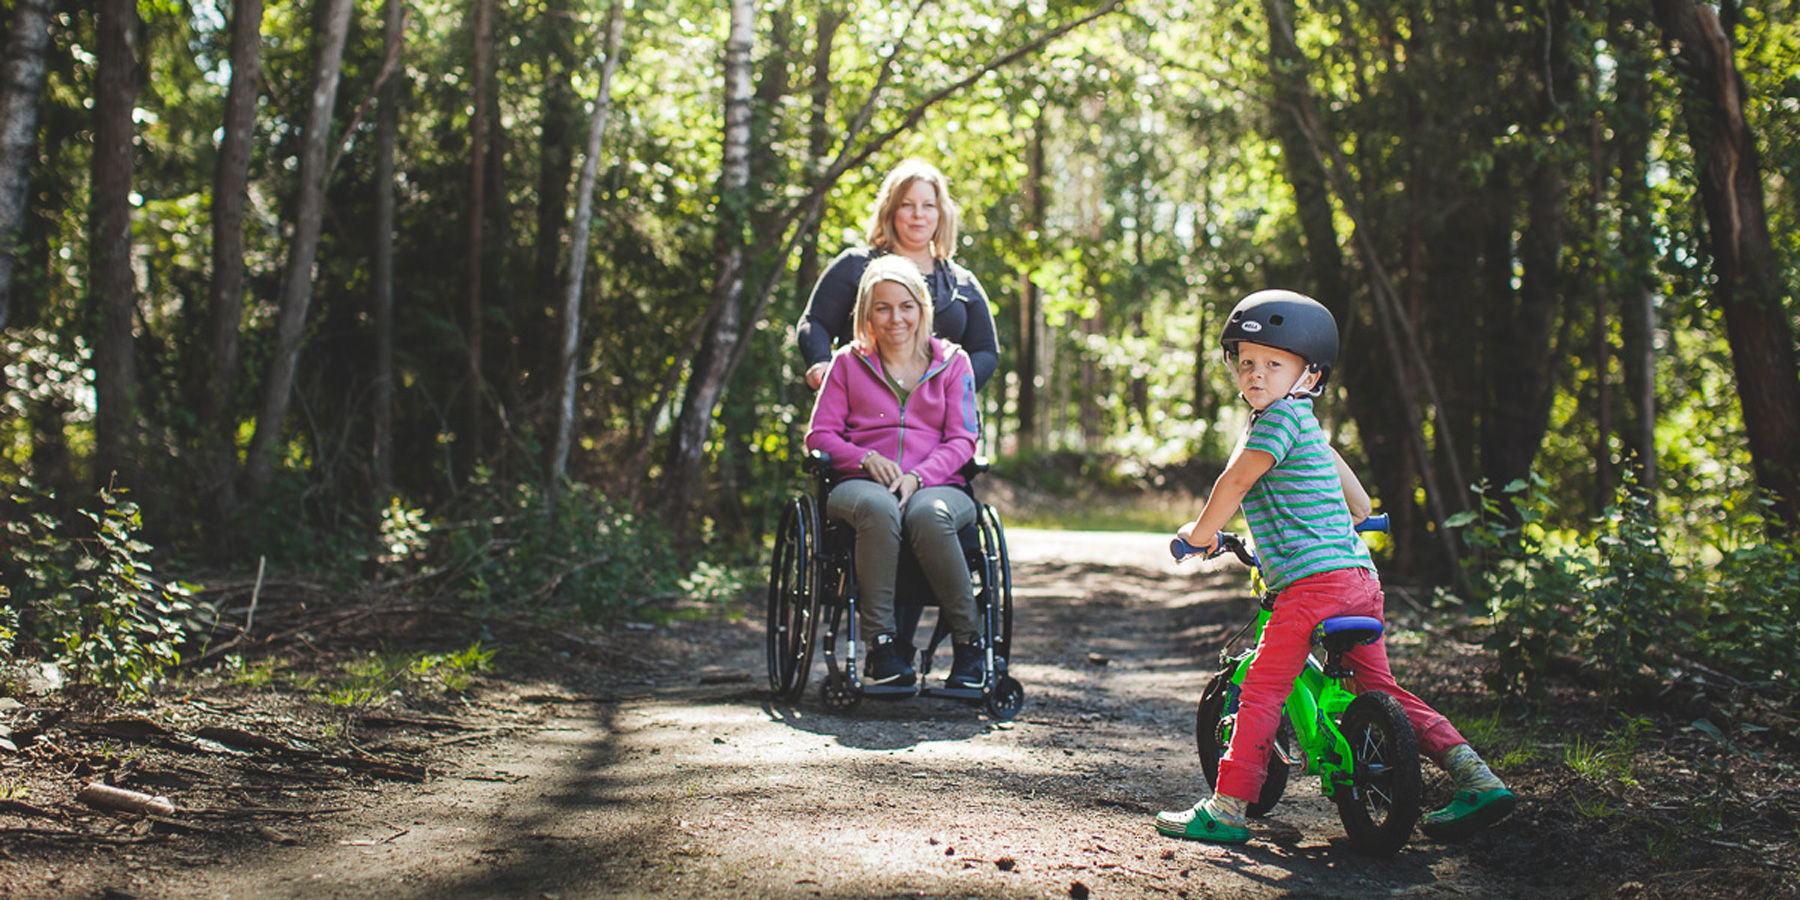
(1317, 389)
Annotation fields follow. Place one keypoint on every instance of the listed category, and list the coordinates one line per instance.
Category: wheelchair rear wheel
(1381, 805)
(793, 598)
(995, 590)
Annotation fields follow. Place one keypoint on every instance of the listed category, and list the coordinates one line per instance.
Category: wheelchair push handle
(1228, 543)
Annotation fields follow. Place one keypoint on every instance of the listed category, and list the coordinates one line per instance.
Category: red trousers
(1280, 656)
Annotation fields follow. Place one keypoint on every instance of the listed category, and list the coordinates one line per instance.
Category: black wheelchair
(812, 580)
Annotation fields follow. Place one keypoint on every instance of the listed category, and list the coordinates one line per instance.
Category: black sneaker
(886, 665)
(966, 669)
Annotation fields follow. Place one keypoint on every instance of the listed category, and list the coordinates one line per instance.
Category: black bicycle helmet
(1285, 320)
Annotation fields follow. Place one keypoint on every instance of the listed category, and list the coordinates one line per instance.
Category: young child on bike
(1297, 493)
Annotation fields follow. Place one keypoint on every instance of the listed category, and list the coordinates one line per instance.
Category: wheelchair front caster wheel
(839, 695)
(1007, 698)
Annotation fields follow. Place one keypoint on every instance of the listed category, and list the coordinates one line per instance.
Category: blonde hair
(880, 234)
(898, 269)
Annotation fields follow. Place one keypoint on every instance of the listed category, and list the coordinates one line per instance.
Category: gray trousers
(933, 517)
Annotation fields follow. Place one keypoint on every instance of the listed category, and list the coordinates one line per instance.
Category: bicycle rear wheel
(1213, 723)
(1381, 804)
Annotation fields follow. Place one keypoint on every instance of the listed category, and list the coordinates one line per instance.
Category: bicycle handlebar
(1228, 543)
(1233, 544)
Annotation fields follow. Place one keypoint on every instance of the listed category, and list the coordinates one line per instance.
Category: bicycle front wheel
(1213, 723)
(1381, 803)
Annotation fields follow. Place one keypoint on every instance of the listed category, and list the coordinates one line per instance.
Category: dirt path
(683, 780)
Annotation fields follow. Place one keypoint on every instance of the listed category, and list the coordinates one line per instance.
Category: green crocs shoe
(1467, 813)
(1198, 825)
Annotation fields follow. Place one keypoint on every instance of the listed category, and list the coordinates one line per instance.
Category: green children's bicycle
(1360, 745)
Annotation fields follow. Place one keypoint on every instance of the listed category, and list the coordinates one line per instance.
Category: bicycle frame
(1312, 707)
(1317, 701)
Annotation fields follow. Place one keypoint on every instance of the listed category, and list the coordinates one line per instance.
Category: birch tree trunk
(1747, 273)
(706, 384)
(109, 230)
(387, 129)
(225, 295)
(297, 279)
(22, 75)
(579, 230)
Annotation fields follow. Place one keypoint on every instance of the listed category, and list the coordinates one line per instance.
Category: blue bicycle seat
(1344, 632)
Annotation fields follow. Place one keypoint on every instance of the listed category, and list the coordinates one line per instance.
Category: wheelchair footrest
(954, 693)
(890, 691)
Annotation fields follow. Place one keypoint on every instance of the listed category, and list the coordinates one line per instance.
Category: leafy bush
(83, 596)
(1615, 599)
(583, 554)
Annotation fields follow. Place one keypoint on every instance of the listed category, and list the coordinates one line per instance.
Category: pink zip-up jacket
(933, 434)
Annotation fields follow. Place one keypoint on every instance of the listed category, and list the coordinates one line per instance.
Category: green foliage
(84, 595)
(1609, 760)
(261, 673)
(371, 679)
(1616, 600)
(583, 555)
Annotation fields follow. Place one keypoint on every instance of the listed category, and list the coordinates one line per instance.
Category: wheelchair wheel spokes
(793, 599)
(1381, 804)
(999, 569)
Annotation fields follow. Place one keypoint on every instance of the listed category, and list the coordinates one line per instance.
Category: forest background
(493, 300)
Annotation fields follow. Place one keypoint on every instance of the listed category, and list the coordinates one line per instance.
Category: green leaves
(88, 600)
(1617, 602)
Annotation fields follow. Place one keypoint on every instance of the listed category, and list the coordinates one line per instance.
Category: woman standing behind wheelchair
(896, 414)
(915, 218)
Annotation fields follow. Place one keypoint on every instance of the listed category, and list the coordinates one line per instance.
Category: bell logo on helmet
(1251, 326)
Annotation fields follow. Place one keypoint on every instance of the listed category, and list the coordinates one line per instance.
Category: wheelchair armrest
(817, 464)
(974, 467)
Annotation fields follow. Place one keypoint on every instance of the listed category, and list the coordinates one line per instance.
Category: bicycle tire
(1212, 735)
(1381, 804)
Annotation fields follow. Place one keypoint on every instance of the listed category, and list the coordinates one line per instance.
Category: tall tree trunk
(1522, 332)
(477, 212)
(1637, 250)
(109, 243)
(387, 130)
(1745, 268)
(297, 279)
(1598, 168)
(22, 75)
(1525, 364)
(566, 358)
(556, 163)
(828, 18)
(225, 295)
(711, 372)
(1030, 355)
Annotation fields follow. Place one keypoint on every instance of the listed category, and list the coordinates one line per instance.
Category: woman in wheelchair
(896, 413)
